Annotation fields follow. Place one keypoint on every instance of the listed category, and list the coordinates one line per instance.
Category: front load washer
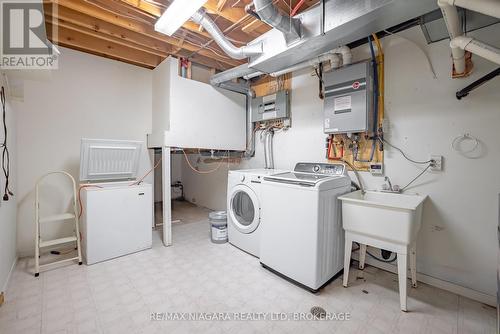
(302, 236)
(244, 208)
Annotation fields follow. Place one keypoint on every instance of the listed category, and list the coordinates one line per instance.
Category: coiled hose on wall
(5, 149)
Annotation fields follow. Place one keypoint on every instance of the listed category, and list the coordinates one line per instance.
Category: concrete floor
(195, 275)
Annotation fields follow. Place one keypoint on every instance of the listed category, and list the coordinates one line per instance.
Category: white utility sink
(385, 220)
(389, 216)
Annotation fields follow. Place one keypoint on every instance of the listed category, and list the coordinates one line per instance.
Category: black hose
(379, 259)
(5, 150)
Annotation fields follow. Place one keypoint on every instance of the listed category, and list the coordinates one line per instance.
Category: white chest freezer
(117, 214)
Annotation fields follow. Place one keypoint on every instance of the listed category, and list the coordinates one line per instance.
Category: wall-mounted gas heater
(348, 103)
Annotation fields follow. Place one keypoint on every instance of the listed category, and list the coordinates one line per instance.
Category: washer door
(244, 209)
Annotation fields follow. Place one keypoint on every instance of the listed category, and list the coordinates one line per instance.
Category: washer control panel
(320, 168)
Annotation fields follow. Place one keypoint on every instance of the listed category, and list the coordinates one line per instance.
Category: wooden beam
(147, 7)
(220, 5)
(105, 34)
(138, 27)
(74, 39)
(189, 25)
(104, 27)
(69, 19)
(203, 61)
(233, 14)
(70, 26)
(125, 9)
(181, 40)
(253, 25)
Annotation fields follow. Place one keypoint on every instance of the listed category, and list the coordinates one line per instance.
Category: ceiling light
(176, 14)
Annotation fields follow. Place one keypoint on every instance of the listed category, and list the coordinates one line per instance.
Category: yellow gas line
(380, 61)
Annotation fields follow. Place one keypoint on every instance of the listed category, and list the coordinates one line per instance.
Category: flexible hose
(144, 176)
(358, 177)
(201, 171)
(271, 152)
(265, 149)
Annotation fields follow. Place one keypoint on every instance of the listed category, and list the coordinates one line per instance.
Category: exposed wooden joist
(75, 39)
(130, 24)
(102, 30)
(148, 7)
(253, 25)
(125, 9)
(203, 60)
(221, 4)
(138, 27)
(233, 14)
(70, 26)
(189, 25)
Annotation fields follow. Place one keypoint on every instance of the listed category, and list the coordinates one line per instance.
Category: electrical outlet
(437, 164)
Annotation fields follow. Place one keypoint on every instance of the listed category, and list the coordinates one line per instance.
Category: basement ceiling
(124, 30)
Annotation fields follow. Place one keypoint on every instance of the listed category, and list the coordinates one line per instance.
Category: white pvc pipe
(331, 56)
(336, 57)
(458, 56)
(477, 47)
(346, 54)
(253, 75)
(450, 16)
(486, 7)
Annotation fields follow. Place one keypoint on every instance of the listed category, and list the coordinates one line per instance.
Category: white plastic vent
(110, 160)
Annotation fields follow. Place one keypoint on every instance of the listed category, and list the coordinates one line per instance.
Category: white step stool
(67, 216)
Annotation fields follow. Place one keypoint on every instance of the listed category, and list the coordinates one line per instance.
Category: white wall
(188, 113)
(457, 242)
(87, 96)
(8, 209)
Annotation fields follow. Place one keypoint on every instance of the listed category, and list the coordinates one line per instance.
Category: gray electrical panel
(348, 101)
(269, 107)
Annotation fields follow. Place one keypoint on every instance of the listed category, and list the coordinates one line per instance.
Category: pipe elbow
(460, 42)
(346, 54)
(268, 13)
(253, 49)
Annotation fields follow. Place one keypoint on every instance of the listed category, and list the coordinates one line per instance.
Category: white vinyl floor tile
(196, 276)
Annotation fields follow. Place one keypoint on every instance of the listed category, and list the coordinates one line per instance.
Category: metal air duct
(290, 27)
(234, 52)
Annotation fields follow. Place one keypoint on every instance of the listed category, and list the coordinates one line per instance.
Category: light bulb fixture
(176, 14)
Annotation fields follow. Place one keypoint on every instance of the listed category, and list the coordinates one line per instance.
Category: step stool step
(58, 217)
(59, 241)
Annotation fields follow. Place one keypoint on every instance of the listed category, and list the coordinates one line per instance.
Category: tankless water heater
(348, 102)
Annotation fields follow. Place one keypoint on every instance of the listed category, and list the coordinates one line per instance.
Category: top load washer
(244, 208)
(302, 236)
